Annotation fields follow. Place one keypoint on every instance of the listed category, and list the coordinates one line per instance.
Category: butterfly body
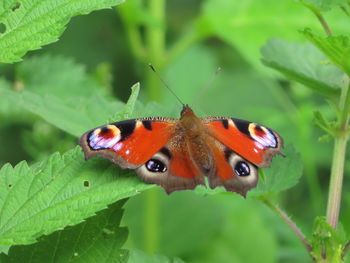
(179, 154)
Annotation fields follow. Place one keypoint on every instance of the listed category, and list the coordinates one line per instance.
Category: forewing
(128, 143)
(254, 142)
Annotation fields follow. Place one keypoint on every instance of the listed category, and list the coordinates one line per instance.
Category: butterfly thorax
(189, 121)
(194, 135)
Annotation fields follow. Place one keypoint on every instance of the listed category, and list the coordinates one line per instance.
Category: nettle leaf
(336, 48)
(137, 256)
(303, 63)
(73, 115)
(324, 124)
(57, 75)
(128, 110)
(61, 191)
(283, 174)
(77, 115)
(324, 5)
(30, 24)
(327, 241)
(98, 239)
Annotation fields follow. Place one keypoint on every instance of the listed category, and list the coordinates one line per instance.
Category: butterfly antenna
(211, 80)
(164, 83)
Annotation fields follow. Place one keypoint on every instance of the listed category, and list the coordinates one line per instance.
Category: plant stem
(337, 172)
(336, 181)
(324, 24)
(340, 141)
(345, 249)
(345, 10)
(320, 18)
(133, 32)
(288, 221)
(135, 42)
(155, 46)
(151, 223)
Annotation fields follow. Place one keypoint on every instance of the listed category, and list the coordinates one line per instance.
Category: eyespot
(156, 166)
(242, 169)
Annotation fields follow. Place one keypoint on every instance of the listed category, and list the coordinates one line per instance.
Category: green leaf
(336, 48)
(56, 75)
(327, 241)
(303, 63)
(98, 239)
(61, 191)
(323, 124)
(4, 249)
(130, 105)
(247, 25)
(283, 174)
(73, 115)
(34, 23)
(324, 5)
(137, 256)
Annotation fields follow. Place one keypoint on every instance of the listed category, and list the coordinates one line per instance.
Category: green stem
(340, 141)
(292, 225)
(345, 249)
(336, 181)
(320, 18)
(337, 172)
(151, 223)
(345, 10)
(133, 33)
(136, 43)
(155, 45)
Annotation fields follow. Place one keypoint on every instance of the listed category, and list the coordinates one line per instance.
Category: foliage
(33, 24)
(52, 200)
(99, 238)
(63, 191)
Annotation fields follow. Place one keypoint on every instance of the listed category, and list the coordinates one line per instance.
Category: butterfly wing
(128, 143)
(254, 142)
(150, 146)
(172, 167)
(239, 147)
(233, 172)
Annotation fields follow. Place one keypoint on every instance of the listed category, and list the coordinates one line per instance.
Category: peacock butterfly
(177, 153)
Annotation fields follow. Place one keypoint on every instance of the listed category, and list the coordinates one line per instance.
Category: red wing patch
(181, 165)
(143, 143)
(253, 142)
(135, 141)
(223, 169)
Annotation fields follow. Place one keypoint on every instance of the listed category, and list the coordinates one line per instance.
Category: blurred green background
(106, 52)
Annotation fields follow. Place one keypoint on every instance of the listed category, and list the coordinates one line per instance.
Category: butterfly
(178, 154)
